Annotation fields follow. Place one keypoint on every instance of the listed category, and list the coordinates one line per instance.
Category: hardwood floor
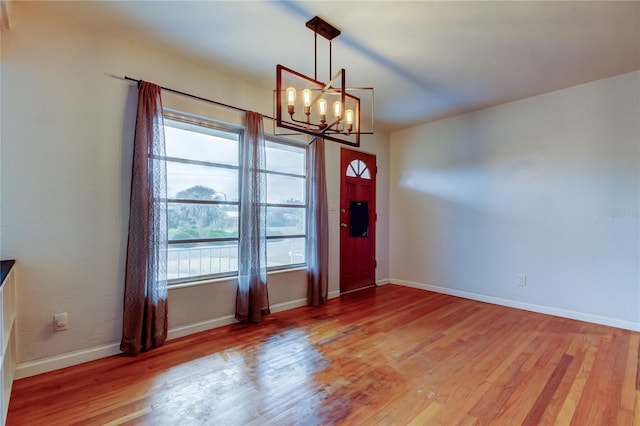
(389, 355)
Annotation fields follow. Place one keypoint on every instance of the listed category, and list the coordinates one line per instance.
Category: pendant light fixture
(329, 110)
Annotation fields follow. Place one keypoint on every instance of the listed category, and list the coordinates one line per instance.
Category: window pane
(182, 180)
(193, 221)
(217, 179)
(190, 260)
(285, 221)
(285, 158)
(285, 190)
(358, 168)
(285, 251)
(199, 143)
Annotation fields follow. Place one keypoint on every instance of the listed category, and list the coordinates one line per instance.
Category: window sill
(226, 279)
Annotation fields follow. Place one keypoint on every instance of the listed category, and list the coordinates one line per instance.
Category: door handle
(344, 225)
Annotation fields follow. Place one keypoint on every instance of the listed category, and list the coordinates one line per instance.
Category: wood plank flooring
(389, 355)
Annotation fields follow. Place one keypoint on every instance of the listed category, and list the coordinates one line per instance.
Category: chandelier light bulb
(306, 96)
(291, 96)
(322, 107)
(349, 116)
(337, 109)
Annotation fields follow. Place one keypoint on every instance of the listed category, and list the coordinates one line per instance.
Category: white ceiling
(426, 60)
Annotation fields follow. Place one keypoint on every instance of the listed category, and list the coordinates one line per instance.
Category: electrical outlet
(522, 280)
(60, 322)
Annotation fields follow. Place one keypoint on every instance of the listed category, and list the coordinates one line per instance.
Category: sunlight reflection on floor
(241, 386)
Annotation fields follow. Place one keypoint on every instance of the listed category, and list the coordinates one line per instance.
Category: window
(358, 168)
(203, 192)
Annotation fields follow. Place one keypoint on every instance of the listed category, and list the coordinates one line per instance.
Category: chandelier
(329, 110)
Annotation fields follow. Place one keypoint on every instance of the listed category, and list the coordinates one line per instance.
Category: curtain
(318, 229)
(252, 298)
(145, 294)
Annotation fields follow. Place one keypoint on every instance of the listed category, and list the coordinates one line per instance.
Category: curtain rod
(200, 98)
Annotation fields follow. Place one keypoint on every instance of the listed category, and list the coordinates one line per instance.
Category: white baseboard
(31, 368)
(355, 290)
(581, 316)
(44, 365)
(197, 327)
(285, 306)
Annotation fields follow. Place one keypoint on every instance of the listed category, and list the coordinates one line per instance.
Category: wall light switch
(522, 280)
(60, 322)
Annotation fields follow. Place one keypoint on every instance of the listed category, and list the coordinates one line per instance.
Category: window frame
(176, 116)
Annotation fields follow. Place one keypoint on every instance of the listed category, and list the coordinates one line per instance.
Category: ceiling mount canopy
(329, 110)
(323, 28)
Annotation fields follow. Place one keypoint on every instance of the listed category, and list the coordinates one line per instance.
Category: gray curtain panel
(318, 228)
(252, 299)
(145, 294)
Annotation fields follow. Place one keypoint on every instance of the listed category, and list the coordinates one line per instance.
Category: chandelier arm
(333, 80)
(327, 128)
(319, 126)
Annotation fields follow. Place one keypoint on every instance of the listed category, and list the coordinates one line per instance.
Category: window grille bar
(190, 201)
(282, 237)
(200, 163)
(203, 240)
(296, 206)
(271, 172)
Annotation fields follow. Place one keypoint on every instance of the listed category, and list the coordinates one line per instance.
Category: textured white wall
(67, 129)
(547, 186)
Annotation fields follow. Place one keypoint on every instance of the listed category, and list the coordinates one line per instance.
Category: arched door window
(358, 168)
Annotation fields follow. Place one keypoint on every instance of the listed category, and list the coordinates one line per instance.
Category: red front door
(357, 220)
